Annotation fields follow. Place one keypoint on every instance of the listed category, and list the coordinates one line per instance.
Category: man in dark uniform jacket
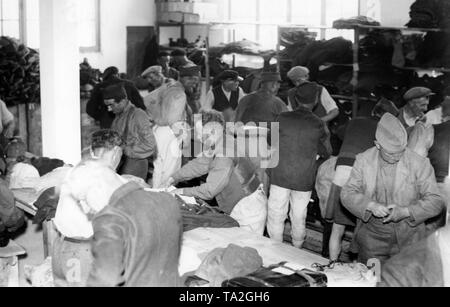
(96, 109)
(225, 98)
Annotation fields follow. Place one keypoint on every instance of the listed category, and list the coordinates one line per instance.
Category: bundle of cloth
(350, 23)
(430, 14)
(337, 50)
(435, 51)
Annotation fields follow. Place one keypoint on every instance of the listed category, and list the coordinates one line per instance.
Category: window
(31, 35)
(89, 25)
(10, 18)
(20, 19)
(301, 12)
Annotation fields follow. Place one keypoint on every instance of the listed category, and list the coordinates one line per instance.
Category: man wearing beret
(311, 92)
(393, 192)
(417, 101)
(11, 218)
(225, 98)
(262, 106)
(135, 128)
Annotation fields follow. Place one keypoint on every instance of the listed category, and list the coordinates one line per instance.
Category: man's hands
(397, 214)
(391, 213)
(378, 210)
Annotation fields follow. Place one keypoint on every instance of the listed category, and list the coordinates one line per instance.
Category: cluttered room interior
(224, 143)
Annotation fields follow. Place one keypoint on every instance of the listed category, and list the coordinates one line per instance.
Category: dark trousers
(135, 167)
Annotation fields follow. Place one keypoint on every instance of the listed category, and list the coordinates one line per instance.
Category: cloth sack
(324, 181)
(227, 263)
(251, 212)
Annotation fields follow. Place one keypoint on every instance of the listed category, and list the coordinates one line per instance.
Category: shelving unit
(358, 32)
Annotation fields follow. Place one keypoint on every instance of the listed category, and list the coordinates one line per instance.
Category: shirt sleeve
(327, 101)
(241, 94)
(208, 104)
(108, 248)
(218, 179)
(194, 169)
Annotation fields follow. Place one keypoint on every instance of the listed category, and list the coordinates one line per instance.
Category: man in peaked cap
(225, 97)
(311, 92)
(417, 100)
(392, 191)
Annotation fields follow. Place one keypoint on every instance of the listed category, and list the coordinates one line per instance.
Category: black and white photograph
(223, 148)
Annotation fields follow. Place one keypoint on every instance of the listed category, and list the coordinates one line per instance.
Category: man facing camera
(393, 192)
(137, 234)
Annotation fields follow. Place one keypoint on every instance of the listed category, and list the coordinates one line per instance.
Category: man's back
(260, 107)
(302, 137)
(137, 240)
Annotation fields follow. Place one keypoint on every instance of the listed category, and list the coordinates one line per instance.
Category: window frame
(97, 46)
(289, 17)
(21, 28)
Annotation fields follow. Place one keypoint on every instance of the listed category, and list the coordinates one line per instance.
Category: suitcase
(266, 277)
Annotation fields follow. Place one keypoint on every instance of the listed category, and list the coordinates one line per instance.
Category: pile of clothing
(351, 23)
(430, 14)
(435, 51)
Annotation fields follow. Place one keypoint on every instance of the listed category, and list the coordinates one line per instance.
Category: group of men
(127, 235)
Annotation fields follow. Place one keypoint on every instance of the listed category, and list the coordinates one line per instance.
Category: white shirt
(434, 117)
(70, 220)
(209, 101)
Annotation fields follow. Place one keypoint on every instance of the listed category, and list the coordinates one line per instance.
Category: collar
(123, 191)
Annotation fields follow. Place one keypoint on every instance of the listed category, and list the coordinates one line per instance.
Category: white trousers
(279, 201)
(169, 155)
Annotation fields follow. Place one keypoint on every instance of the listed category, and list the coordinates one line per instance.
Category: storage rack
(356, 47)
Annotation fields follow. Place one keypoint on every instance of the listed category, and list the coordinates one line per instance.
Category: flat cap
(152, 70)
(178, 52)
(192, 71)
(271, 77)
(391, 134)
(418, 92)
(230, 75)
(116, 92)
(297, 73)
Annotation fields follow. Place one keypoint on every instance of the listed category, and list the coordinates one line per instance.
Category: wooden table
(198, 243)
(25, 199)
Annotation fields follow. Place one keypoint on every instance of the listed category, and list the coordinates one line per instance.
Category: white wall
(115, 16)
(391, 13)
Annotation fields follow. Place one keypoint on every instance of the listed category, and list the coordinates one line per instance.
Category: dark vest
(440, 151)
(308, 93)
(221, 102)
